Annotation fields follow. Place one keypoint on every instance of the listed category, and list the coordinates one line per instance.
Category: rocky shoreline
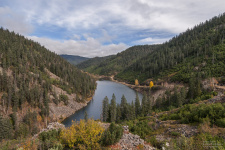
(61, 111)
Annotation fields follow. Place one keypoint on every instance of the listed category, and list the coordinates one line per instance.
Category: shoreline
(61, 112)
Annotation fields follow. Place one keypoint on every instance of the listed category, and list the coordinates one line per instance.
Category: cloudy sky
(102, 27)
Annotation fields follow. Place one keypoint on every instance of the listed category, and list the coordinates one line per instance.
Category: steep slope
(122, 60)
(198, 51)
(34, 81)
(74, 59)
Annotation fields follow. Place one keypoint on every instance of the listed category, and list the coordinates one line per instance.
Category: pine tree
(183, 94)
(198, 90)
(123, 107)
(144, 105)
(113, 109)
(179, 100)
(6, 128)
(105, 109)
(118, 113)
(132, 111)
(85, 116)
(149, 104)
(137, 105)
(191, 90)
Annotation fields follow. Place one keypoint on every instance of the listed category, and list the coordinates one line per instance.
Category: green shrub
(176, 134)
(140, 128)
(154, 142)
(164, 117)
(64, 98)
(112, 135)
(220, 122)
(174, 117)
(192, 113)
(50, 139)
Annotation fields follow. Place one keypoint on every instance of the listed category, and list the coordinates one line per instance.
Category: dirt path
(220, 87)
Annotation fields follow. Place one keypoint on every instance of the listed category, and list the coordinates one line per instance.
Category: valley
(159, 96)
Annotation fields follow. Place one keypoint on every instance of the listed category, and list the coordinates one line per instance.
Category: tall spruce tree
(123, 107)
(113, 109)
(105, 109)
(137, 105)
(6, 128)
(118, 113)
(144, 105)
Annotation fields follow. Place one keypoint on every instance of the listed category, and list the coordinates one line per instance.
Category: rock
(51, 126)
(130, 141)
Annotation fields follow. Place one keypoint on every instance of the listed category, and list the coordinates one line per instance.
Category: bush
(174, 117)
(64, 98)
(192, 113)
(49, 139)
(155, 143)
(220, 122)
(140, 128)
(84, 135)
(176, 134)
(112, 135)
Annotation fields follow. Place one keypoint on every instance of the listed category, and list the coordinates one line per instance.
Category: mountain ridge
(74, 59)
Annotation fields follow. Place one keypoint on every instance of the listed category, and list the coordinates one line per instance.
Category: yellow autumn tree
(136, 82)
(84, 135)
(151, 84)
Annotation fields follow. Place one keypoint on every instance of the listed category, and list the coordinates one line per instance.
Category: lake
(94, 107)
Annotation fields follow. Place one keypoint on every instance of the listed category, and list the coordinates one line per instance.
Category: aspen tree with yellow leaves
(83, 135)
(136, 82)
(151, 84)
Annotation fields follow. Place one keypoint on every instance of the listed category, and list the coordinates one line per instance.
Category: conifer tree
(118, 113)
(149, 104)
(105, 109)
(144, 105)
(132, 111)
(191, 90)
(113, 109)
(85, 116)
(6, 128)
(183, 94)
(137, 105)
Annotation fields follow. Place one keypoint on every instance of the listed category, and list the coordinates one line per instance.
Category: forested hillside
(117, 63)
(198, 51)
(91, 64)
(74, 59)
(29, 78)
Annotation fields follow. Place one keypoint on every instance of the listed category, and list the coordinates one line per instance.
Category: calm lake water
(94, 107)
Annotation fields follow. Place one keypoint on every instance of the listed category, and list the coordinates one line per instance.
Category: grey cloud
(14, 21)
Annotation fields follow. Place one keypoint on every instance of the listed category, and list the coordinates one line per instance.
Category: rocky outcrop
(183, 129)
(61, 111)
(51, 126)
(130, 141)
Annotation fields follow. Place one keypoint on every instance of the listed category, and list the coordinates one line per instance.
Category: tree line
(112, 112)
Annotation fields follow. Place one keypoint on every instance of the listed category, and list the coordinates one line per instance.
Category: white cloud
(87, 48)
(14, 21)
(150, 40)
(174, 16)
(90, 24)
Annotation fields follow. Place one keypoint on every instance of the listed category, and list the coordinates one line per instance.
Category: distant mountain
(91, 64)
(73, 59)
(116, 63)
